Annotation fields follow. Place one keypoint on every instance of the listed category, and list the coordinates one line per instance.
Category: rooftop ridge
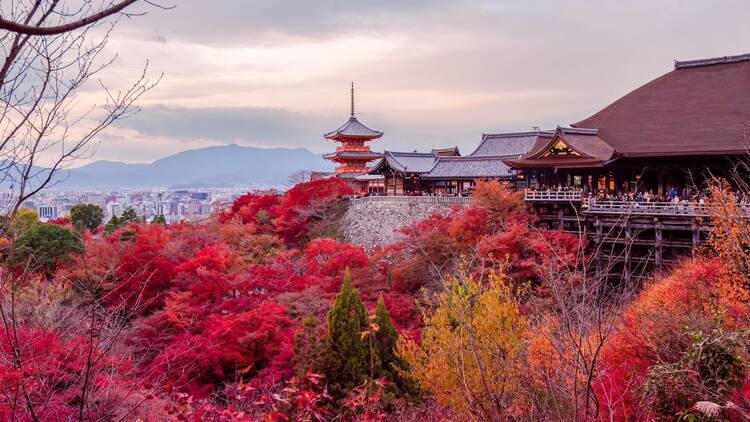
(476, 157)
(409, 153)
(578, 130)
(517, 134)
(710, 61)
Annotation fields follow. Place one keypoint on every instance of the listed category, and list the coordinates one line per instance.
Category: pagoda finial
(352, 99)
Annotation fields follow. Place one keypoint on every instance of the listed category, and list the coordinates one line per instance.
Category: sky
(429, 74)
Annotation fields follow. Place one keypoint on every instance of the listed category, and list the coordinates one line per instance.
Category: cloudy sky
(276, 73)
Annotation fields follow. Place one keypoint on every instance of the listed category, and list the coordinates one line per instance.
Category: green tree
(44, 245)
(23, 220)
(159, 219)
(112, 225)
(385, 338)
(86, 216)
(129, 216)
(347, 321)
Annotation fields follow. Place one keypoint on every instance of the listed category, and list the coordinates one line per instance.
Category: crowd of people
(672, 195)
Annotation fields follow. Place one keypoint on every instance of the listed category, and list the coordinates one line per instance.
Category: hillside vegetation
(263, 313)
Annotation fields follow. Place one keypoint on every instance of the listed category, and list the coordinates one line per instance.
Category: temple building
(631, 175)
(403, 172)
(352, 151)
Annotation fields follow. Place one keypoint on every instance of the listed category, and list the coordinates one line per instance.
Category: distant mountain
(229, 165)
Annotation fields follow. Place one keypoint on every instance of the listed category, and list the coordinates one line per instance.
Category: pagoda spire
(352, 99)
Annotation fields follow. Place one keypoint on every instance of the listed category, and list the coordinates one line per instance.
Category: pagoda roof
(356, 155)
(516, 143)
(702, 107)
(353, 128)
(406, 162)
(469, 167)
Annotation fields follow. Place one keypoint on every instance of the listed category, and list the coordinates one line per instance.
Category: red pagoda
(353, 154)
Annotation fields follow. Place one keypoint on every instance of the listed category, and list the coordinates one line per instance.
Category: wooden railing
(552, 195)
(646, 208)
(690, 209)
(416, 199)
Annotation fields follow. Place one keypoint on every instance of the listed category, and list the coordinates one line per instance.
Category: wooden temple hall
(631, 174)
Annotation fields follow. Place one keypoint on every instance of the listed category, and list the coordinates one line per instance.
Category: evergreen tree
(127, 217)
(112, 225)
(86, 216)
(385, 340)
(159, 219)
(347, 320)
(44, 245)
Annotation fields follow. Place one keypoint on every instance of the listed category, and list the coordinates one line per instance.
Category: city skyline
(422, 78)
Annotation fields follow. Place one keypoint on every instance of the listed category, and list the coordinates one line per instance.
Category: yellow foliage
(471, 347)
(730, 240)
(23, 220)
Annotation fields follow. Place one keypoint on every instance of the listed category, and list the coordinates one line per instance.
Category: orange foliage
(653, 330)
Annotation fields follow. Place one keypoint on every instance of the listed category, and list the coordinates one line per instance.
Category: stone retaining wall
(374, 223)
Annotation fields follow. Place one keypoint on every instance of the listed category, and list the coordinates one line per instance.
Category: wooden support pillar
(560, 217)
(628, 245)
(661, 189)
(658, 251)
(696, 237)
(606, 183)
(598, 245)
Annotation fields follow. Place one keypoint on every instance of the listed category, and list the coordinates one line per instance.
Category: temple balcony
(552, 196)
(690, 209)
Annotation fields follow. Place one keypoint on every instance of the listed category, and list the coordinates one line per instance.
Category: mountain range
(220, 166)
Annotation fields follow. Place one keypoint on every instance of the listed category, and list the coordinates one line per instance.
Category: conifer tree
(129, 216)
(112, 225)
(159, 219)
(386, 339)
(347, 320)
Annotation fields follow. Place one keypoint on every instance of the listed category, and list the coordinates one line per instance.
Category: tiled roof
(591, 149)
(508, 143)
(410, 162)
(700, 108)
(353, 154)
(468, 167)
(446, 152)
(354, 128)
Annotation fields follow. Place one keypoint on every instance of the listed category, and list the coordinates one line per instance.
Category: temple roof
(468, 167)
(566, 148)
(446, 152)
(508, 143)
(702, 107)
(354, 128)
(406, 162)
(356, 155)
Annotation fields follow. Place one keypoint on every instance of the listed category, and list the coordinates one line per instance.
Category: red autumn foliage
(60, 221)
(225, 347)
(304, 206)
(53, 371)
(326, 260)
(256, 208)
(654, 331)
(217, 302)
(144, 273)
